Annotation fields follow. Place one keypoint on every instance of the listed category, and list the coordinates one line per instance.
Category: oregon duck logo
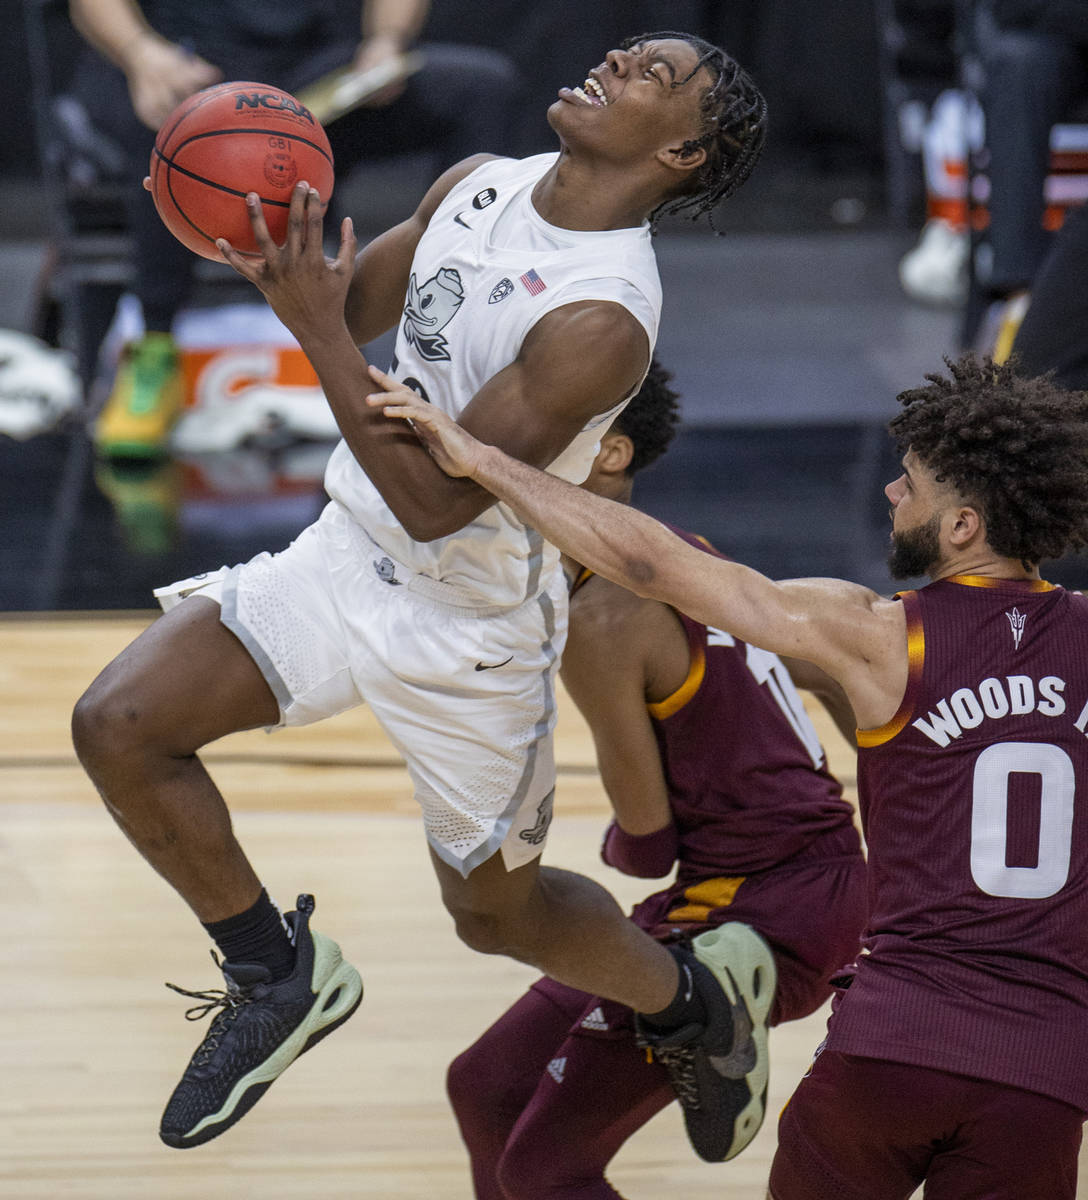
(536, 834)
(386, 570)
(431, 306)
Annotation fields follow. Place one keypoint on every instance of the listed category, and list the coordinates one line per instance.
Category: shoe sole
(739, 958)
(133, 449)
(338, 997)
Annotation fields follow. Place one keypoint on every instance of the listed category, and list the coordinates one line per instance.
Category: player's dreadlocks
(734, 129)
(1015, 448)
(650, 418)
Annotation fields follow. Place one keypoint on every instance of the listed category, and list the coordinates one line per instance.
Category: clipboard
(345, 89)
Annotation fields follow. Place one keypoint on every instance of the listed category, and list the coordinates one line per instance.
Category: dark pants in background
(1032, 77)
(1054, 334)
(460, 103)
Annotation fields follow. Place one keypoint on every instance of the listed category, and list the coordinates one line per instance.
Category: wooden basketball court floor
(92, 1042)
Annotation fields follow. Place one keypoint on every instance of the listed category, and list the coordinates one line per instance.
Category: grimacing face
(627, 106)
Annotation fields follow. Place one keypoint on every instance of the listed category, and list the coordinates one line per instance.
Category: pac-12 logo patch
(500, 291)
(482, 199)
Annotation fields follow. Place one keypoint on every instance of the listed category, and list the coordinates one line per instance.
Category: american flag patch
(534, 285)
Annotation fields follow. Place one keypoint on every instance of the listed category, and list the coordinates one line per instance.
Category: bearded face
(915, 551)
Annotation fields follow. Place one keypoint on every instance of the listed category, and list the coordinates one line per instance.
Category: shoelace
(229, 1002)
(679, 1061)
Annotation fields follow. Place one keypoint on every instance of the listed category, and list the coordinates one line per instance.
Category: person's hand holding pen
(161, 74)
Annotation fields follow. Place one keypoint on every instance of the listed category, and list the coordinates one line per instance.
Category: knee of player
(108, 722)
(484, 932)
(470, 1087)
(491, 930)
(460, 1081)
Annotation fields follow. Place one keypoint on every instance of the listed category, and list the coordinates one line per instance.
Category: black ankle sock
(686, 1007)
(255, 936)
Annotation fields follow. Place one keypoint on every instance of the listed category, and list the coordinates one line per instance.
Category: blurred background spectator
(156, 53)
(990, 95)
(790, 335)
(1031, 58)
(1053, 335)
(926, 131)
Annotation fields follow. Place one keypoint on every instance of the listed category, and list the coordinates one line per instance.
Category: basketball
(224, 142)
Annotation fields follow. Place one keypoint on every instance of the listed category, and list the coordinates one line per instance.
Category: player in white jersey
(527, 302)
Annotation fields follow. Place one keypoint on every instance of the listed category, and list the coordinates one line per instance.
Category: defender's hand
(452, 448)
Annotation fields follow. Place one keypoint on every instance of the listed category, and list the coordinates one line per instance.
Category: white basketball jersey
(487, 268)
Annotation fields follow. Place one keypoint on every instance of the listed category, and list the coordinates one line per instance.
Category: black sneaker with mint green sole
(719, 1071)
(260, 1029)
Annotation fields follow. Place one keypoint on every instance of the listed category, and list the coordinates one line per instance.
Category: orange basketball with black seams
(227, 141)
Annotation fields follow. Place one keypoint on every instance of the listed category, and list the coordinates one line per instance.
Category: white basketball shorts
(465, 693)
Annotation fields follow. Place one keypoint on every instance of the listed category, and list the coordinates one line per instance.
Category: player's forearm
(636, 551)
(114, 27)
(614, 540)
(399, 21)
(427, 502)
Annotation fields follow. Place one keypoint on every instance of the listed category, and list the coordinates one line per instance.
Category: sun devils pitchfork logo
(431, 306)
(1016, 620)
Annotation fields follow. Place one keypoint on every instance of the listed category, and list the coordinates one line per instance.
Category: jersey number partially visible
(989, 819)
(769, 670)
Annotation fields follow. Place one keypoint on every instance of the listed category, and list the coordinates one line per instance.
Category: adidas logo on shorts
(595, 1020)
(556, 1068)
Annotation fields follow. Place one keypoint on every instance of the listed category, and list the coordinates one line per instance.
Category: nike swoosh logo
(491, 666)
(458, 220)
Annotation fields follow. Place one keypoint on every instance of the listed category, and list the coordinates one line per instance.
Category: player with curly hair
(952, 1055)
(1000, 441)
(713, 769)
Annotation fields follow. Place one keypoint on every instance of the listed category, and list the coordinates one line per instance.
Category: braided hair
(734, 116)
(1015, 448)
(650, 418)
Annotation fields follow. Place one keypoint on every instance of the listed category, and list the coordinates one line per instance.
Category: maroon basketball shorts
(811, 915)
(867, 1129)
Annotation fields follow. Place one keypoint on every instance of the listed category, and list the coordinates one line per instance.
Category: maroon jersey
(765, 837)
(974, 801)
(747, 778)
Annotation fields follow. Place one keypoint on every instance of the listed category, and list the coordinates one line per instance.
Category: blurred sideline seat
(88, 258)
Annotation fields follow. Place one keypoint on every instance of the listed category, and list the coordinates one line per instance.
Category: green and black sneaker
(260, 1029)
(719, 1071)
(145, 401)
